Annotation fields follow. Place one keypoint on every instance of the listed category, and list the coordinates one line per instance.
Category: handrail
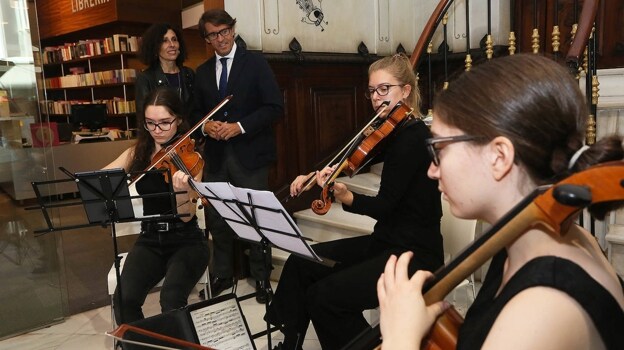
(429, 30)
(586, 22)
(575, 52)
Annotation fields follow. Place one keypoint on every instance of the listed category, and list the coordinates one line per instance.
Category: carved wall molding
(270, 16)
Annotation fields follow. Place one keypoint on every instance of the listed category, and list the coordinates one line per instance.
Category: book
(120, 42)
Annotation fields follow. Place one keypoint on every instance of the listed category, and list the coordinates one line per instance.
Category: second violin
(361, 151)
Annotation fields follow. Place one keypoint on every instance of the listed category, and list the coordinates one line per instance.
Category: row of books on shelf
(90, 48)
(114, 76)
(116, 105)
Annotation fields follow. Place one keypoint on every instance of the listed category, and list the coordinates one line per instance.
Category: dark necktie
(223, 78)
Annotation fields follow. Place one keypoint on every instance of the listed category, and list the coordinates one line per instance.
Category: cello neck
(505, 231)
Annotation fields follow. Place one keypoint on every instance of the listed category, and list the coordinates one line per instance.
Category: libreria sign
(79, 5)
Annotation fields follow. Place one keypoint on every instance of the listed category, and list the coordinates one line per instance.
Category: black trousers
(333, 298)
(180, 256)
(222, 234)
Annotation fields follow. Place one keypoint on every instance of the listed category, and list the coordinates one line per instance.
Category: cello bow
(120, 331)
(550, 207)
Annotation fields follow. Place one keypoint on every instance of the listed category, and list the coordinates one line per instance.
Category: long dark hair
(145, 145)
(152, 40)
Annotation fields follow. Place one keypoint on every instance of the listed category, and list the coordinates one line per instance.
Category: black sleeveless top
(549, 271)
(151, 183)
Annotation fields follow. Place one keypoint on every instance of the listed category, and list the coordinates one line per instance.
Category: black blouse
(407, 207)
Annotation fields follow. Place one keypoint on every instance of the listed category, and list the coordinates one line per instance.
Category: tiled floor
(87, 330)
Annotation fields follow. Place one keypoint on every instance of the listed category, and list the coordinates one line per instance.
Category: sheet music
(221, 326)
(275, 224)
(230, 211)
(270, 221)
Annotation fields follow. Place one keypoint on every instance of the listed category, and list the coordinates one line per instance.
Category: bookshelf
(91, 71)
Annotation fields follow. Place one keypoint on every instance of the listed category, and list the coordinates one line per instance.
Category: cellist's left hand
(404, 317)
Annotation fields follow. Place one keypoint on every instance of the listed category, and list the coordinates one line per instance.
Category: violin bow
(120, 331)
(548, 207)
(310, 181)
(187, 134)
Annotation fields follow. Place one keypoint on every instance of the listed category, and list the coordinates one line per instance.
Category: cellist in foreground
(500, 131)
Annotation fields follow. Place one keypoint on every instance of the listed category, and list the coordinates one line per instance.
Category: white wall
(270, 25)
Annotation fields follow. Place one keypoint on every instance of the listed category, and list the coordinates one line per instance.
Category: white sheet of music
(221, 326)
(275, 224)
(230, 211)
(272, 221)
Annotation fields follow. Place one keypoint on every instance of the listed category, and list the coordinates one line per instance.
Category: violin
(311, 176)
(181, 154)
(550, 207)
(183, 157)
(362, 151)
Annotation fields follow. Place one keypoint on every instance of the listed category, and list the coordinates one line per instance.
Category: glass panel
(33, 287)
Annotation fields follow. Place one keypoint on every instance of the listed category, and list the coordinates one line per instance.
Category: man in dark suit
(240, 145)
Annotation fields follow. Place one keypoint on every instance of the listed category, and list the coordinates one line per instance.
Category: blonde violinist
(173, 249)
(407, 209)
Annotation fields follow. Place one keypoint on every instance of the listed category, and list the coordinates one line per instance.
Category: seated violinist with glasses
(173, 249)
(407, 209)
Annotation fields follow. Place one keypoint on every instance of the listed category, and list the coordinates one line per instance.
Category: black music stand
(106, 199)
(258, 217)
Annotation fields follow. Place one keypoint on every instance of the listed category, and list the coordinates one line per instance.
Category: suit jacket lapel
(237, 68)
(212, 78)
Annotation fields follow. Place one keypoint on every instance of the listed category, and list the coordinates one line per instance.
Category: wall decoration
(313, 14)
(384, 20)
(271, 17)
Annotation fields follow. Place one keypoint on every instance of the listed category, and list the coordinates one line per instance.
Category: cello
(550, 207)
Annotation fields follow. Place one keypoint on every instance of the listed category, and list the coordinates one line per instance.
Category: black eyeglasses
(223, 32)
(434, 151)
(381, 90)
(164, 126)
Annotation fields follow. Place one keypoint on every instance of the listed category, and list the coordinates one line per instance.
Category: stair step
(376, 168)
(336, 224)
(367, 184)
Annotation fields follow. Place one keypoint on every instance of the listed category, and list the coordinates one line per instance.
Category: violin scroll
(322, 206)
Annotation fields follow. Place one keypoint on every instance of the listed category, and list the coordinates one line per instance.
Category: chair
(457, 234)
